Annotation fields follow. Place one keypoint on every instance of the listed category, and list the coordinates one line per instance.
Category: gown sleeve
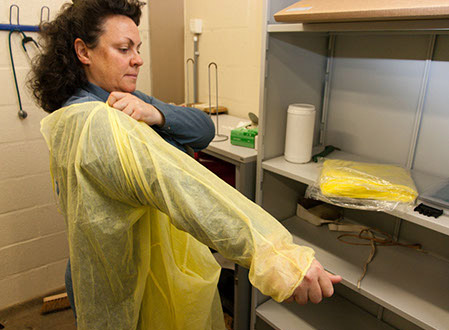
(131, 163)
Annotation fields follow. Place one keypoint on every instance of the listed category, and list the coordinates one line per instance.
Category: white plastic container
(299, 134)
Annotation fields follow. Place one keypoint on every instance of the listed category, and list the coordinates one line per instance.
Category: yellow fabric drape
(140, 213)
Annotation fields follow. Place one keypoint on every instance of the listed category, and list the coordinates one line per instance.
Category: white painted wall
(33, 243)
(232, 38)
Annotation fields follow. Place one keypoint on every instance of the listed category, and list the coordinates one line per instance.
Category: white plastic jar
(299, 133)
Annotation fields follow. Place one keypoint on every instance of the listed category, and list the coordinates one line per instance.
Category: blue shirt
(183, 126)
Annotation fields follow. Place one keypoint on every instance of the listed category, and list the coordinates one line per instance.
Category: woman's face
(114, 63)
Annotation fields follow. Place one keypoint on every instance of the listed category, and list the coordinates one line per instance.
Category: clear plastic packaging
(437, 195)
(364, 186)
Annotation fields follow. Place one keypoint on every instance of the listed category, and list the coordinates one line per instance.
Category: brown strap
(374, 237)
(369, 234)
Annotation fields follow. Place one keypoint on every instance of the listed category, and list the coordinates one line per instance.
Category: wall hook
(10, 14)
(17, 27)
(42, 15)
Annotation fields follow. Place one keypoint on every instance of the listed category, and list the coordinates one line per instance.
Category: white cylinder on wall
(299, 132)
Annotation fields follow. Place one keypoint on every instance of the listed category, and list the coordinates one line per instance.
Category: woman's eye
(123, 50)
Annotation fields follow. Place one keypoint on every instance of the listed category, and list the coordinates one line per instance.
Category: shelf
(409, 283)
(308, 173)
(378, 26)
(334, 313)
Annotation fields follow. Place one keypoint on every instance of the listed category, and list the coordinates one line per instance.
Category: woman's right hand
(317, 283)
(136, 108)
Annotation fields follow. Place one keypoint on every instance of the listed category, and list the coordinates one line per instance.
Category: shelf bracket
(327, 82)
(397, 229)
(420, 106)
(380, 312)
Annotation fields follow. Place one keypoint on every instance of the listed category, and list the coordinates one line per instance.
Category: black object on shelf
(437, 195)
(327, 150)
(428, 210)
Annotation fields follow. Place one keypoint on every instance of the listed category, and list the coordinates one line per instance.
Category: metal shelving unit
(380, 90)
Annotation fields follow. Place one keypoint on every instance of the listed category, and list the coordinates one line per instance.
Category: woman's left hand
(136, 108)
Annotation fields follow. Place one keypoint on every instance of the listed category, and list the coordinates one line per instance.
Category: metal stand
(218, 137)
(196, 55)
(188, 82)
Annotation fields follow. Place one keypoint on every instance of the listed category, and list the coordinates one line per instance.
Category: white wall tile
(14, 129)
(25, 256)
(23, 158)
(31, 284)
(26, 192)
(24, 225)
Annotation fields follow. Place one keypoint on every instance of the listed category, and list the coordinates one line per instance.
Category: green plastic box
(244, 137)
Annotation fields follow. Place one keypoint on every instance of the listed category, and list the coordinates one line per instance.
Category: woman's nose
(136, 60)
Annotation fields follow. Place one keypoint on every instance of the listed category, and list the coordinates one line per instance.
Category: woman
(106, 69)
(139, 212)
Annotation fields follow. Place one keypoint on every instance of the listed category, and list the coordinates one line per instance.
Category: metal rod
(196, 55)
(188, 78)
(420, 107)
(218, 137)
(327, 82)
(13, 27)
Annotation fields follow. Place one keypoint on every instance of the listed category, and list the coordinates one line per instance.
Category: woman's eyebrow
(131, 42)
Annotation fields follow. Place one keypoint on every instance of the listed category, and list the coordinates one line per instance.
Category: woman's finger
(128, 110)
(123, 103)
(334, 278)
(315, 294)
(115, 96)
(301, 295)
(326, 286)
(137, 115)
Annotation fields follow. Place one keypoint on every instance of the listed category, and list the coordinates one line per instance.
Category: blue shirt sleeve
(183, 126)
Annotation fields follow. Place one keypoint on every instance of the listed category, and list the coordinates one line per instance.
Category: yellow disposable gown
(341, 178)
(140, 215)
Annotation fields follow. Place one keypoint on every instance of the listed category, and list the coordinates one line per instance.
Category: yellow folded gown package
(364, 185)
(140, 215)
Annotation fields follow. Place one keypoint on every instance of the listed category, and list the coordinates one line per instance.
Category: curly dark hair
(57, 73)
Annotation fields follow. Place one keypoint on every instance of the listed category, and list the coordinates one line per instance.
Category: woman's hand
(136, 108)
(317, 283)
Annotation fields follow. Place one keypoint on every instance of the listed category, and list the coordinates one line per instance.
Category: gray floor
(28, 317)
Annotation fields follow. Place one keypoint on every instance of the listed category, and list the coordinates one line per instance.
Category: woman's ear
(82, 51)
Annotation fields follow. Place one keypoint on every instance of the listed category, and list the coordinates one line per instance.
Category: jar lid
(301, 108)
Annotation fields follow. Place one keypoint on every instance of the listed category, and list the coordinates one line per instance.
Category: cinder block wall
(33, 243)
(232, 38)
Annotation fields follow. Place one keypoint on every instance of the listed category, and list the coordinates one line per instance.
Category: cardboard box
(244, 137)
(316, 11)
